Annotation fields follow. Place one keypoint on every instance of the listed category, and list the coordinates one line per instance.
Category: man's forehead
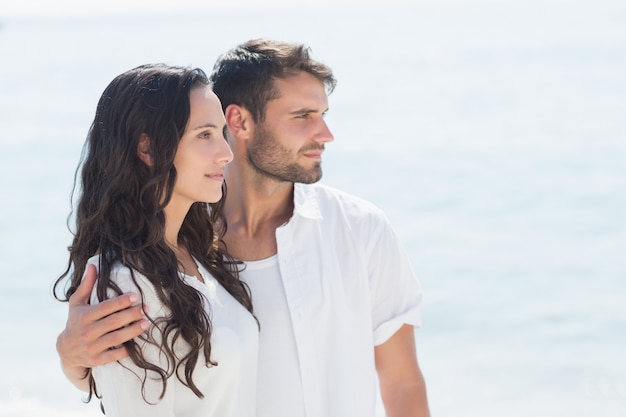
(300, 88)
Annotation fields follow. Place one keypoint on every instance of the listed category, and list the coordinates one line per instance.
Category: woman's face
(202, 151)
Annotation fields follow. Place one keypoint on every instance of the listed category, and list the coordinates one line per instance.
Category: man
(333, 290)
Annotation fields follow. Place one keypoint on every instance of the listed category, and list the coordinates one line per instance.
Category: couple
(285, 298)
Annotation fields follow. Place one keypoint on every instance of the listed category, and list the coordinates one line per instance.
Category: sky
(70, 8)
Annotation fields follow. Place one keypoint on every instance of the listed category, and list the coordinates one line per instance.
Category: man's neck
(254, 210)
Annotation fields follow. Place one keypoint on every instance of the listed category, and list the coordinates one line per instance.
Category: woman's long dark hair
(120, 215)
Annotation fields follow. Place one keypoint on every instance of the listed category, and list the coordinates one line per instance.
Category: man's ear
(239, 121)
(143, 150)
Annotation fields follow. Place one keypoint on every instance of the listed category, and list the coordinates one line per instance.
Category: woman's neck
(174, 216)
(186, 264)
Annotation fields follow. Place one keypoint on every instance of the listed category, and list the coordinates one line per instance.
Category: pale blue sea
(493, 133)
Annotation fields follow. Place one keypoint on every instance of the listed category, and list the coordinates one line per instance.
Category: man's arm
(92, 333)
(402, 385)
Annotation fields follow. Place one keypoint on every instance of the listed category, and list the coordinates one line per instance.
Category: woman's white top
(229, 388)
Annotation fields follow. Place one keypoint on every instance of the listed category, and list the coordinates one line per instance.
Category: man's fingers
(83, 292)
(102, 324)
(123, 320)
(113, 355)
(112, 342)
(103, 309)
(112, 306)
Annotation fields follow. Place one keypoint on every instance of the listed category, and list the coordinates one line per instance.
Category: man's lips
(314, 153)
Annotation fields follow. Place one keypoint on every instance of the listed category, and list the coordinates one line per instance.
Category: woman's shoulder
(124, 278)
(119, 272)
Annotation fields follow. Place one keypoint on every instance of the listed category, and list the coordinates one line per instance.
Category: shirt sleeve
(396, 292)
(121, 384)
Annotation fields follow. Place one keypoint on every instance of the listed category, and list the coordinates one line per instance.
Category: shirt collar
(305, 201)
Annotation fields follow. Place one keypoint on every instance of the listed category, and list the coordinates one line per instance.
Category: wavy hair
(119, 213)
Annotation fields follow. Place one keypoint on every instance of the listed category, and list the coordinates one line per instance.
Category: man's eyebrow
(307, 110)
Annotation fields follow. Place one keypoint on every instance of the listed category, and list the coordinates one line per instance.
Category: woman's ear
(239, 121)
(143, 150)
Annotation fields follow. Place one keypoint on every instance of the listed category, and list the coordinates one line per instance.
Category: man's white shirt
(340, 284)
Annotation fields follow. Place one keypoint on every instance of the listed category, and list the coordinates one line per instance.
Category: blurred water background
(493, 133)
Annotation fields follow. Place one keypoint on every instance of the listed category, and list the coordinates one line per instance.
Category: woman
(149, 219)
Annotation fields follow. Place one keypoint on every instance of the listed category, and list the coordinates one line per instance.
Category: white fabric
(228, 388)
(281, 386)
(349, 286)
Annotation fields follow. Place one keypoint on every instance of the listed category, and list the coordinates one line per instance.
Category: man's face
(289, 143)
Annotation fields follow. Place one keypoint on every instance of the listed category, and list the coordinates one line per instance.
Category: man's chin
(311, 179)
(298, 175)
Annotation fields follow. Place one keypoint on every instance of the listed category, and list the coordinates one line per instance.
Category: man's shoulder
(333, 199)
(324, 192)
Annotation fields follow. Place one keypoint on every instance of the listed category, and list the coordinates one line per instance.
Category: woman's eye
(205, 135)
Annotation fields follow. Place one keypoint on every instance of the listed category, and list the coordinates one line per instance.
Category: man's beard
(269, 158)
